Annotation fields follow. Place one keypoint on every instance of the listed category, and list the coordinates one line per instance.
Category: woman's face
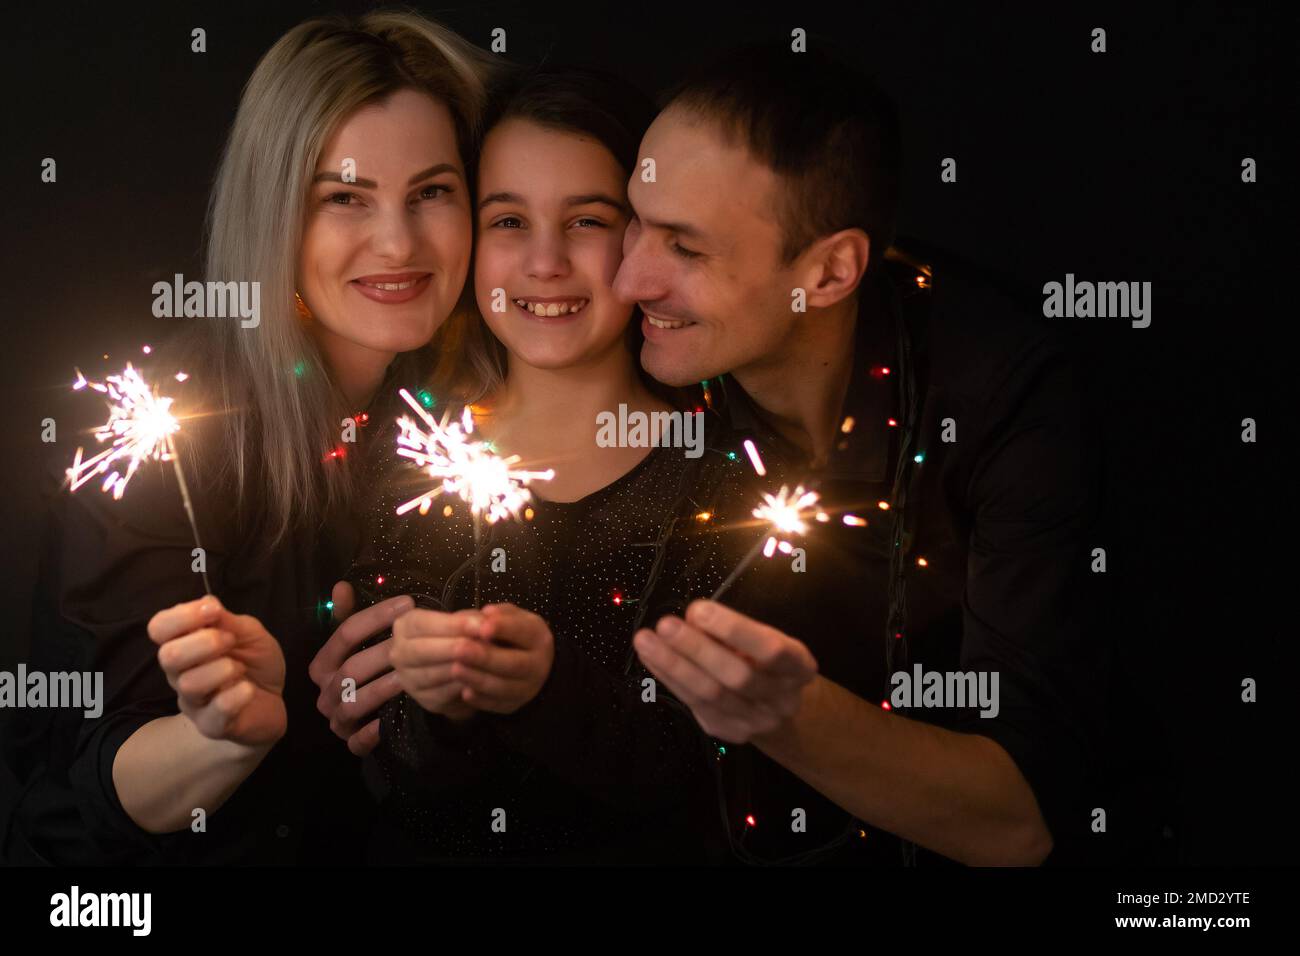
(551, 215)
(385, 255)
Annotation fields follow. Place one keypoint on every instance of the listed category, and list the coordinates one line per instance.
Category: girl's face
(385, 255)
(551, 214)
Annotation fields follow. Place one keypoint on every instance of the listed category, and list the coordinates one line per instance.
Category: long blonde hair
(284, 411)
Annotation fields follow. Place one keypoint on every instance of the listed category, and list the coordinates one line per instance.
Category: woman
(524, 733)
(343, 192)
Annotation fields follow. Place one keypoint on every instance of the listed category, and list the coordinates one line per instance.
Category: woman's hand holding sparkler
(350, 709)
(227, 671)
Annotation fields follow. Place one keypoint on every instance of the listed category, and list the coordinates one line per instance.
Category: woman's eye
(589, 221)
(433, 191)
(684, 252)
(340, 199)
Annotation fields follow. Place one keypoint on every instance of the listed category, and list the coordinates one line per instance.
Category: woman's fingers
(215, 717)
(344, 599)
(365, 740)
(365, 666)
(182, 653)
(352, 633)
(201, 682)
(183, 618)
(345, 719)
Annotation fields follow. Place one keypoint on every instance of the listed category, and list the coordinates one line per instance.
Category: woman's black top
(602, 765)
(106, 567)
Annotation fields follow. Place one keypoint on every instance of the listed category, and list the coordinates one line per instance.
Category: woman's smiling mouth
(392, 288)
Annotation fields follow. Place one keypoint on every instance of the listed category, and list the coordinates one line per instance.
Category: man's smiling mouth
(659, 323)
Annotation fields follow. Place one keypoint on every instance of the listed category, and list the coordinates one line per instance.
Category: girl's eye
(507, 221)
(588, 220)
(684, 252)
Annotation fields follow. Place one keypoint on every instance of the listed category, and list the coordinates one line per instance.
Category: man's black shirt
(956, 537)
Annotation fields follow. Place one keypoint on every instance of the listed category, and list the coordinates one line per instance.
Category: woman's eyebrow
(434, 170)
(332, 176)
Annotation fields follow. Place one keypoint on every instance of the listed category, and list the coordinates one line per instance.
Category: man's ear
(834, 266)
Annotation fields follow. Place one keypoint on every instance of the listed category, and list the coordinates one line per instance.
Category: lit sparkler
(142, 428)
(492, 487)
(785, 513)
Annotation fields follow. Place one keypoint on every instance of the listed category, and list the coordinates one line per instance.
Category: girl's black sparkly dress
(601, 766)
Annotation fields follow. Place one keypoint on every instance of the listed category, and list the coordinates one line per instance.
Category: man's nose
(632, 282)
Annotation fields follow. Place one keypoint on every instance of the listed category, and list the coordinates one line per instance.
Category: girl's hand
(227, 671)
(510, 665)
(425, 643)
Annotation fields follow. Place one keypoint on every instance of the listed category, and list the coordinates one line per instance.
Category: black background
(1122, 166)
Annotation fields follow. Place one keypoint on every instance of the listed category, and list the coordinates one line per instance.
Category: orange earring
(301, 306)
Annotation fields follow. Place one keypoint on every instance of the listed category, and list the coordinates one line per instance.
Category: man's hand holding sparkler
(740, 678)
(227, 671)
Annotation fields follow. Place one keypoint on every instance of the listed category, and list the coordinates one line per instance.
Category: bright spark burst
(140, 423)
(786, 512)
(463, 467)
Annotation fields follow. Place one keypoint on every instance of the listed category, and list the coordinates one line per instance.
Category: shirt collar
(862, 452)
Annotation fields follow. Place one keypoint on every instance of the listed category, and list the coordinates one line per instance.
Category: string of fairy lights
(142, 426)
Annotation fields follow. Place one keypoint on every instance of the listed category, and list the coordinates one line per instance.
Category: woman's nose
(395, 236)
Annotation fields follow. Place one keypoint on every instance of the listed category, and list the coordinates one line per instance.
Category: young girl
(525, 731)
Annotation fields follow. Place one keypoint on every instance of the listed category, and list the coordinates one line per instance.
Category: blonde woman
(343, 192)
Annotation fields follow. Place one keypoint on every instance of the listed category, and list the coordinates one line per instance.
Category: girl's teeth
(550, 309)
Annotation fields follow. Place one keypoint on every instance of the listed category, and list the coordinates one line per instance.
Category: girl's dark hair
(577, 100)
(568, 99)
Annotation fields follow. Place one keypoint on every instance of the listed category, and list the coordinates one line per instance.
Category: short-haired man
(758, 250)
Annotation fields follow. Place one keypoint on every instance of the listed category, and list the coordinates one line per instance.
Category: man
(764, 204)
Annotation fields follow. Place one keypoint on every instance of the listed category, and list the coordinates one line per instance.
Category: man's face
(702, 256)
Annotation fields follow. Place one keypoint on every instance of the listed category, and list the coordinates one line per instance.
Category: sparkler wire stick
(478, 532)
(784, 512)
(189, 506)
(739, 569)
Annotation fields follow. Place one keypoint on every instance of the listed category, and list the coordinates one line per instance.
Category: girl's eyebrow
(582, 200)
(601, 198)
